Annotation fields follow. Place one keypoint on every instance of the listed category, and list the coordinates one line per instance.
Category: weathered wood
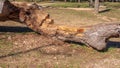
(38, 20)
(1, 5)
(97, 36)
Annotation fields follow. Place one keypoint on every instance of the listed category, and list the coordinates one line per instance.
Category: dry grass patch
(82, 18)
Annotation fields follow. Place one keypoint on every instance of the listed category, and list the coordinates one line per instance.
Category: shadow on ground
(113, 44)
(25, 29)
(14, 29)
(110, 44)
(22, 52)
(106, 10)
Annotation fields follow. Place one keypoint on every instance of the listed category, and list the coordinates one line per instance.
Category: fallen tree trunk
(38, 20)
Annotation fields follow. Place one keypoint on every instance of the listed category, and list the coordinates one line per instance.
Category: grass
(78, 18)
(3, 66)
(113, 13)
(81, 56)
(79, 5)
(69, 4)
(72, 16)
(115, 5)
(5, 45)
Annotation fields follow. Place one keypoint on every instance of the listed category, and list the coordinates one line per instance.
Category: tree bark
(38, 20)
(52, 0)
(96, 7)
(65, 0)
(91, 3)
(79, 1)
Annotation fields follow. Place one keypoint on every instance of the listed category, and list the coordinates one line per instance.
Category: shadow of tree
(106, 10)
(20, 52)
(14, 29)
(110, 44)
(73, 42)
(113, 44)
(33, 49)
(25, 29)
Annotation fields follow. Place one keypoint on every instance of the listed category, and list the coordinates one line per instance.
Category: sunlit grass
(81, 55)
(70, 4)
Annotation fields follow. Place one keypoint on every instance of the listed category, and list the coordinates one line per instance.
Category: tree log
(38, 20)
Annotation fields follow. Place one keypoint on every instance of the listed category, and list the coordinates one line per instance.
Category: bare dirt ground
(20, 47)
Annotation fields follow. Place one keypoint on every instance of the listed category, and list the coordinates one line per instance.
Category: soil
(32, 50)
(20, 47)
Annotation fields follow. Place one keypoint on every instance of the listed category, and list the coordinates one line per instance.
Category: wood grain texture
(38, 20)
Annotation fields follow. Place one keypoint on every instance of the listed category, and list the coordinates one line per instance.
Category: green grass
(69, 4)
